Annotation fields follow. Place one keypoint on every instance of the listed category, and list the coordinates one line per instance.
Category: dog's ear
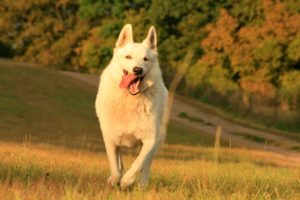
(151, 39)
(125, 36)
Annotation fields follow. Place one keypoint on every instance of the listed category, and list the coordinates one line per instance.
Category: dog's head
(136, 60)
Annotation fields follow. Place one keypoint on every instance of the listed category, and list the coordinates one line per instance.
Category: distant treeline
(246, 52)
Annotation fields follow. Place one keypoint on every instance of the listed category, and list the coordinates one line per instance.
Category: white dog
(130, 104)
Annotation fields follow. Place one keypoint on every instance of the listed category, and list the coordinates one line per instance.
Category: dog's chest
(129, 112)
(127, 140)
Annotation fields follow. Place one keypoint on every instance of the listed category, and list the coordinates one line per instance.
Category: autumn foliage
(257, 60)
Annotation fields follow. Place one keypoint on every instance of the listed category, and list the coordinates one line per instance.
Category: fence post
(217, 144)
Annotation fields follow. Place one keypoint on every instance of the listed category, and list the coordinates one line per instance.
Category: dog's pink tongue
(126, 80)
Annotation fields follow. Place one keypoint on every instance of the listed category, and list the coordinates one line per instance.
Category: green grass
(297, 148)
(253, 138)
(46, 106)
(194, 119)
(179, 134)
(262, 118)
(52, 149)
(42, 105)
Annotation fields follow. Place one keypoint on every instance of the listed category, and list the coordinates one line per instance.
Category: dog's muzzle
(132, 81)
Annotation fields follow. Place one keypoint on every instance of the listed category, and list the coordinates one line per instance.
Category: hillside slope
(41, 105)
(205, 120)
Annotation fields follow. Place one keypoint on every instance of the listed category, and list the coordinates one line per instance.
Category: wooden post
(217, 144)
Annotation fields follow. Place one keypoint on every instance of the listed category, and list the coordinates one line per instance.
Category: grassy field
(45, 172)
(51, 148)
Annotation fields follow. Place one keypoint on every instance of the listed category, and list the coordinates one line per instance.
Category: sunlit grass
(35, 172)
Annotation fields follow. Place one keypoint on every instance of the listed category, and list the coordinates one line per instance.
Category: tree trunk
(294, 102)
(250, 103)
(276, 107)
(181, 70)
(247, 101)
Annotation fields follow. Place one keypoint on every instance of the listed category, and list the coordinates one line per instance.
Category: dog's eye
(146, 59)
(128, 57)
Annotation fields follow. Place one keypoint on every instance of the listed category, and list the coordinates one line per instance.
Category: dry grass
(48, 172)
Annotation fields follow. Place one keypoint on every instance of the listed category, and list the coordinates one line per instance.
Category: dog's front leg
(143, 181)
(146, 154)
(112, 151)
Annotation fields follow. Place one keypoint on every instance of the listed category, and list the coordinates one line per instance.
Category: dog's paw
(126, 181)
(113, 181)
(143, 183)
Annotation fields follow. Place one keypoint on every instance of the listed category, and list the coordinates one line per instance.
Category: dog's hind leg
(146, 154)
(111, 150)
(120, 162)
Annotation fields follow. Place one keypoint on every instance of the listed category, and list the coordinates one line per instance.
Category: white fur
(125, 118)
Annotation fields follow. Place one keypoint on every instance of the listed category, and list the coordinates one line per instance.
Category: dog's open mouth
(132, 82)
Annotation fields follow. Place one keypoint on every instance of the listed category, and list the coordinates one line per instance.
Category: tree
(290, 87)
(257, 53)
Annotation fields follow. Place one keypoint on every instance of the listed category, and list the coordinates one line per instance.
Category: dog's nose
(138, 70)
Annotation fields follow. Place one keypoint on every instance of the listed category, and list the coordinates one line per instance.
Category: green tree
(290, 87)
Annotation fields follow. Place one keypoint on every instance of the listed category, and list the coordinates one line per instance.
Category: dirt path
(192, 114)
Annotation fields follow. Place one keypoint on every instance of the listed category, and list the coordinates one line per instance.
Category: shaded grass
(82, 175)
(179, 134)
(194, 119)
(288, 128)
(261, 116)
(297, 148)
(46, 107)
(40, 105)
(253, 138)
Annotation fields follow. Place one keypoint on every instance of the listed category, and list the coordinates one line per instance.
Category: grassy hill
(51, 148)
(43, 105)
